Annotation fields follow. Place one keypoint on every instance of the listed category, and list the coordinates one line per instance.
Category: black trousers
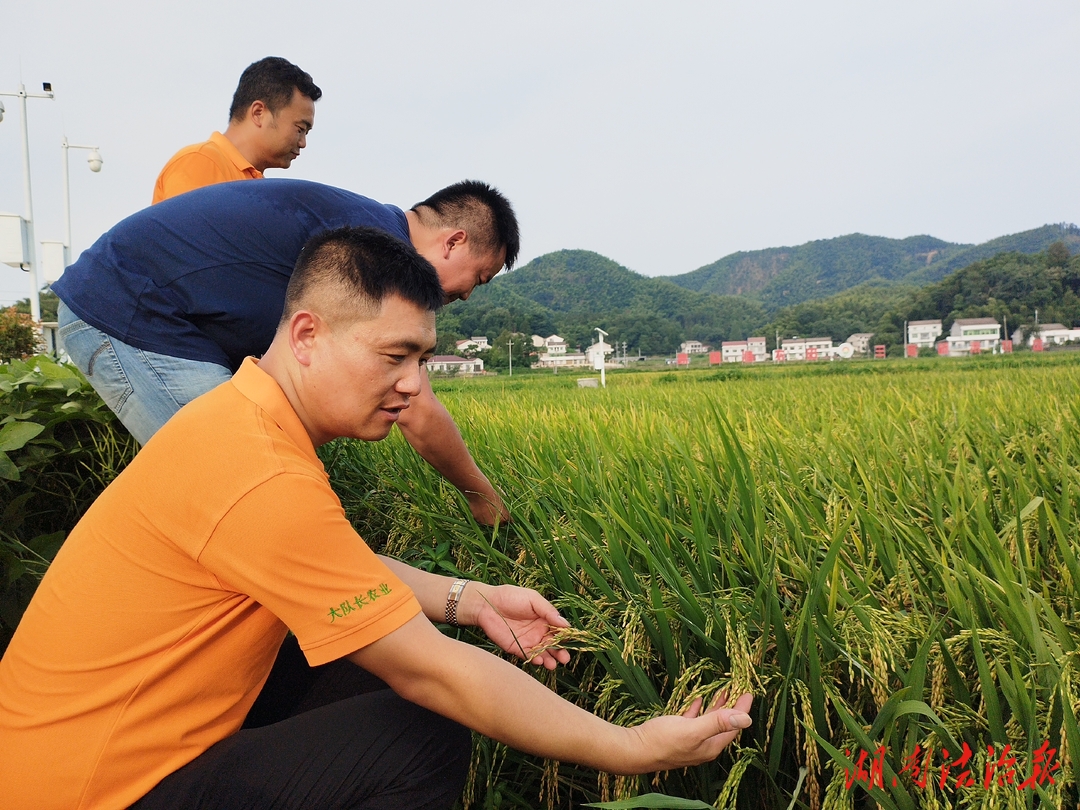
(330, 737)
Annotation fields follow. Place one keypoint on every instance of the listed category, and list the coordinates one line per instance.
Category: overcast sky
(664, 136)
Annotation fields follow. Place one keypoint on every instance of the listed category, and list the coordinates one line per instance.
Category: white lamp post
(28, 203)
(94, 162)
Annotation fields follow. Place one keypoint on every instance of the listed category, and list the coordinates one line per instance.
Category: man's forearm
(431, 431)
(430, 590)
(495, 698)
(440, 444)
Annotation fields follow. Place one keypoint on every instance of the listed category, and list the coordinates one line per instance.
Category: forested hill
(572, 291)
(1030, 242)
(779, 277)
(576, 281)
(1009, 287)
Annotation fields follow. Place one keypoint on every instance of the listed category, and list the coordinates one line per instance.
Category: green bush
(60, 446)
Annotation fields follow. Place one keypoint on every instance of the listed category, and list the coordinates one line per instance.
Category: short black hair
(360, 267)
(482, 211)
(271, 81)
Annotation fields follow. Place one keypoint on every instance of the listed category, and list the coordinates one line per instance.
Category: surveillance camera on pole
(94, 161)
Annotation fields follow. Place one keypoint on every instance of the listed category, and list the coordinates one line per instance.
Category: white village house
(451, 364)
(1054, 334)
(973, 335)
(552, 353)
(693, 347)
(733, 351)
(797, 348)
(924, 333)
(475, 344)
(860, 342)
(603, 349)
(551, 345)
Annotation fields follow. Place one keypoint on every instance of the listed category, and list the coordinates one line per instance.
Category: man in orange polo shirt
(272, 112)
(128, 680)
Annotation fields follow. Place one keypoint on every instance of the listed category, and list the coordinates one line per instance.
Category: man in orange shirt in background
(272, 112)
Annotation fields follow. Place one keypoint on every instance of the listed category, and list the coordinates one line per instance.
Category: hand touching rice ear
(495, 698)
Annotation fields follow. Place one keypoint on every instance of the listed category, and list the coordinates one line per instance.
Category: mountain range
(570, 292)
(783, 276)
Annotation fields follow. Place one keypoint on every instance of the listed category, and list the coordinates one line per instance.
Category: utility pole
(28, 202)
(510, 354)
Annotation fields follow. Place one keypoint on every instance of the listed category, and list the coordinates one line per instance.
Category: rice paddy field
(884, 553)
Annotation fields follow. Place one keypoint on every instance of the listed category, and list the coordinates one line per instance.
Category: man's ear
(304, 327)
(258, 113)
(453, 239)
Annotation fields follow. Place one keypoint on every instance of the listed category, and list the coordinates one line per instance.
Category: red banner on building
(976, 347)
(943, 348)
(781, 355)
(811, 353)
(1037, 345)
(714, 358)
(748, 356)
(912, 350)
(879, 351)
(1006, 347)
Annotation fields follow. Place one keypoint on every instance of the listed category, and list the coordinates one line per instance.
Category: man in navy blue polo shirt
(166, 305)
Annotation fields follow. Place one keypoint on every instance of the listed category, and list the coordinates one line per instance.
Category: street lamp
(94, 162)
(28, 203)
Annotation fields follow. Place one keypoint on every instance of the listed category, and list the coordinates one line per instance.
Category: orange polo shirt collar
(241, 163)
(263, 390)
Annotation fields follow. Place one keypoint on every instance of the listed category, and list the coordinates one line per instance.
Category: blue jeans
(142, 388)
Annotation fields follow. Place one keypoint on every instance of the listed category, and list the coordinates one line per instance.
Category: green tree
(1057, 255)
(446, 341)
(498, 356)
(18, 337)
(49, 302)
(859, 309)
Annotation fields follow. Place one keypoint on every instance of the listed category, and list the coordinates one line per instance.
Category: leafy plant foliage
(59, 448)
